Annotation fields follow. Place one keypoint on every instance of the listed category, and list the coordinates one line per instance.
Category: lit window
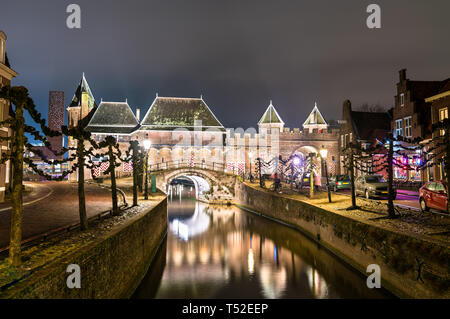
(443, 114)
(402, 99)
(398, 128)
(408, 128)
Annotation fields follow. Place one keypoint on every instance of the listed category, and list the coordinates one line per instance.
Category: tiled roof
(270, 116)
(113, 117)
(370, 125)
(445, 86)
(83, 87)
(111, 129)
(423, 89)
(167, 113)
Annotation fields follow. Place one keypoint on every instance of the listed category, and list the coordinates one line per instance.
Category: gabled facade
(6, 75)
(412, 119)
(363, 128)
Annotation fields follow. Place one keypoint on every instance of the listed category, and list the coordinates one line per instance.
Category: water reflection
(223, 252)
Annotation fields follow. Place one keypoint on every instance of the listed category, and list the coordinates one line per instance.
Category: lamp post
(147, 145)
(311, 174)
(323, 156)
(295, 163)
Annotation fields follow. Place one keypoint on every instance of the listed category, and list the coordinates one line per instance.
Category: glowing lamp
(296, 161)
(147, 144)
(404, 160)
(323, 153)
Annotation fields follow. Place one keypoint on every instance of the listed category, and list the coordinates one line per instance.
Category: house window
(402, 99)
(398, 128)
(408, 128)
(443, 114)
(351, 137)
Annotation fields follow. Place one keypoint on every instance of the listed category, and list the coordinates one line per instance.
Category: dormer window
(402, 99)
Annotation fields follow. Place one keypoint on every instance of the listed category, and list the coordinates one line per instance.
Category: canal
(225, 252)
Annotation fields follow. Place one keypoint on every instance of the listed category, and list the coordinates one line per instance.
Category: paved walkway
(53, 205)
(405, 198)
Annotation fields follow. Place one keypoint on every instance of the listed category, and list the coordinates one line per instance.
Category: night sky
(238, 54)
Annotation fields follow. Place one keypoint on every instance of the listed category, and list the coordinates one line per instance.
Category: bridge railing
(213, 166)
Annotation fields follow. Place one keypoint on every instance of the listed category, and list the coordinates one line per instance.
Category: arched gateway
(211, 186)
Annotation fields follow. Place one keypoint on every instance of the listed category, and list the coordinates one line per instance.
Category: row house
(412, 119)
(363, 128)
(6, 75)
(439, 104)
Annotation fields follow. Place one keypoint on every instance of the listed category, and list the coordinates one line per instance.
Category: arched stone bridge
(212, 186)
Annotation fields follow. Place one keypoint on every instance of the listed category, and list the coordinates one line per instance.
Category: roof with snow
(270, 116)
(83, 87)
(113, 117)
(168, 113)
(315, 118)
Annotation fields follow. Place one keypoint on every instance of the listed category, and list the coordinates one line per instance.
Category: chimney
(402, 73)
(138, 114)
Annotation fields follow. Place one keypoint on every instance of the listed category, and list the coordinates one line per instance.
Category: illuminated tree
(114, 155)
(19, 103)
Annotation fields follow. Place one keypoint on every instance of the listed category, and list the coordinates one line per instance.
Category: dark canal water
(224, 252)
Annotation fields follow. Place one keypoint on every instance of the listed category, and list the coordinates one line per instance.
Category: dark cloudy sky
(238, 54)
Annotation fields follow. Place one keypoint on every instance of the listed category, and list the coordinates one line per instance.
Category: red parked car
(433, 195)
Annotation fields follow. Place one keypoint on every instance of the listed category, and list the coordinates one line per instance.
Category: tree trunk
(135, 175)
(391, 211)
(112, 167)
(81, 195)
(15, 249)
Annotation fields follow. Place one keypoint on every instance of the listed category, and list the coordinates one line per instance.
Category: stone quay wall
(112, 266)
(360, 244)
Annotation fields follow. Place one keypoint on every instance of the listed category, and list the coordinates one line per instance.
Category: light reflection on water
(223, 252)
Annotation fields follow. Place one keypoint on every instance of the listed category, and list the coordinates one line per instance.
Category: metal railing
(212, 166)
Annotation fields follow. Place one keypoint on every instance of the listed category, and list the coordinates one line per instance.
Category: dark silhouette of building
(6, 74)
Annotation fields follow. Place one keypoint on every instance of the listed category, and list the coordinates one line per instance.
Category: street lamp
(295, 163)
(323, 155)
(147, 145)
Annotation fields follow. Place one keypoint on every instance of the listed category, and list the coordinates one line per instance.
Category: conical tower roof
(270, 116)
(315, 118)
(83, 87)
